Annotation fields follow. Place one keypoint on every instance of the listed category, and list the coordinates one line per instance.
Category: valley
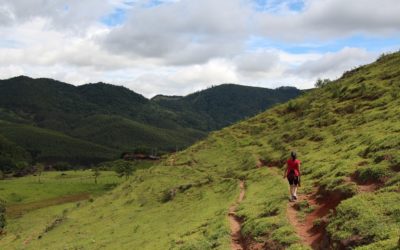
(346, 135)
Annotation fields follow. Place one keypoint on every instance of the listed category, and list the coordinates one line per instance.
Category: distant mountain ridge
(227, 103)
(117, 119)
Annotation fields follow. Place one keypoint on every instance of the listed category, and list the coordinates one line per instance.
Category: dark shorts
(293, 180)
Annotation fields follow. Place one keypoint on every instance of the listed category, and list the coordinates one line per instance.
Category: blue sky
(374, 44)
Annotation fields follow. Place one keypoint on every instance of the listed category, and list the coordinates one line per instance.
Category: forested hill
(100, 120)
(225, 104)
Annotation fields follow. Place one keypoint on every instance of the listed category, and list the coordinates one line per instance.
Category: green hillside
(11, 155)
(50, 146)
(115, 117)
(346, 134)
(124, 134)
(219, 106)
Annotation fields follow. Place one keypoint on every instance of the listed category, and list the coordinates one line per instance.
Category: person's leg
(291, 193)
(295, 190)
(290, 188)
(295, 185)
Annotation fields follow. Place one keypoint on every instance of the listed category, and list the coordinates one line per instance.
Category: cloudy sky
(179, 46)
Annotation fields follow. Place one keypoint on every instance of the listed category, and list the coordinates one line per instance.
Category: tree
(96, 173)
(39, 170)
(321, 83)
(124, 168)
(3, 222)
(21, 169)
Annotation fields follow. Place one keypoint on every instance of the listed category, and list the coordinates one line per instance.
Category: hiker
(292, 173)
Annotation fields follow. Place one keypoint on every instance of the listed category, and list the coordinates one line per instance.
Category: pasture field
(55, 184)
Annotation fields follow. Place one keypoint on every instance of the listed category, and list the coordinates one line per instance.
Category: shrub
(316, 138)
(167, 195)
(124, 168)
(371, 217)
(395, 162)
(321, 83)
(297, 106)
(367, 174)
(3, 222)
(335, 90)
(62, 166)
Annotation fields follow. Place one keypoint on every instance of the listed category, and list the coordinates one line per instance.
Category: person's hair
(293, 155)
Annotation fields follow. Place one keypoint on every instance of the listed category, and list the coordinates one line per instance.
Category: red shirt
(293, 165)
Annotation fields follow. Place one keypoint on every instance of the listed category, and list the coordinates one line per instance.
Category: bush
(124, 168)
(370, 217)
(3, 222)
(62, 166)
(167, 195)
(374, 174)
(321, 83)
(297, 106)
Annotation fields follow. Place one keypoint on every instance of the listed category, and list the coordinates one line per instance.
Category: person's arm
(299, 169)
(299, 176)
(285, 172)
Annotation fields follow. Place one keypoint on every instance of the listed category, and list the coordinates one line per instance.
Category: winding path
(237, 242)
(313, 235)
(305, 229)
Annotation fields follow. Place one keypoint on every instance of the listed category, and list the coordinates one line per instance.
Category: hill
(111, 117)
(346, 134)
(11, 155)
(222, 105)
(50, 146)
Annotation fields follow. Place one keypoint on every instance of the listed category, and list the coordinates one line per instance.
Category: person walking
(292, 173)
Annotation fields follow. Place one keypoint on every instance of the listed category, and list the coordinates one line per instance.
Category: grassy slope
(346, 129)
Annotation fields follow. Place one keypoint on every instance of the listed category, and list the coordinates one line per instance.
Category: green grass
(265, 209)
(22, 230)
(136, 218)
(55, 184)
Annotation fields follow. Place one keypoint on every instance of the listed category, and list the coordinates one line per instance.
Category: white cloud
(326, 19)
(70, 14)
(187, 32)
(333, 64)
(184, 80)
(256, 61)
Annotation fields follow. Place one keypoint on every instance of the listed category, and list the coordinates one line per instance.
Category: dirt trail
(309, 234)
(237, 242)
(364, 187)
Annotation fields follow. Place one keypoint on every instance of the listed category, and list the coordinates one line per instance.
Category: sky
(175, 47)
